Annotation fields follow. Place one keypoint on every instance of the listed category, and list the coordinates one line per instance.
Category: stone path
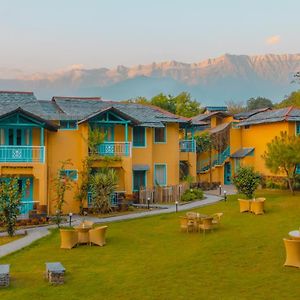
(36, 233)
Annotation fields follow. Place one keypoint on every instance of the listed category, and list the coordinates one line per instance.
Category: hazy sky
(46, 35)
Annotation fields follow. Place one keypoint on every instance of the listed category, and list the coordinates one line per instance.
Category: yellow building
(245, 137)
(36, 136)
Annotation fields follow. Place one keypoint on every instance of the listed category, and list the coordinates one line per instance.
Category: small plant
(191, 195)
(102, 185)
(246, 180)
(61, 184)
(10, 200)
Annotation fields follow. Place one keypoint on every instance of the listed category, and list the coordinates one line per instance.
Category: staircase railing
(216, 160)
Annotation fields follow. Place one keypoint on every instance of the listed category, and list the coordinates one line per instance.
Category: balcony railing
(187, 145)
(114, 149)
(22, 154)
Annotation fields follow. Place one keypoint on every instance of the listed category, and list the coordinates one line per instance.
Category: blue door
(26, 187)
(227, 173)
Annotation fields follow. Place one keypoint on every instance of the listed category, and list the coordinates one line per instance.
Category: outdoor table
(4, 275)
(83, 234)
(295, 234)
(55, 272)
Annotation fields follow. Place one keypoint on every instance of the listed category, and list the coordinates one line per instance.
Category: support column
(126, 132)
(42, 136)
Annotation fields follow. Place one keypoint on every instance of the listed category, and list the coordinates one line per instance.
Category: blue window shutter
(297, 128)
(138, 137)
(297, 169)
(160, 174)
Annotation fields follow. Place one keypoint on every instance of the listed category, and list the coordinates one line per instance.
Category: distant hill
(213, 81)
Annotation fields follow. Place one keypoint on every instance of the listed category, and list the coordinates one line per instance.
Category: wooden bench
(4, 275)
(55, 272)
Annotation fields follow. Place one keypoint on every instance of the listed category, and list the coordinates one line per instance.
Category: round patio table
(295, 234)
(83, 234)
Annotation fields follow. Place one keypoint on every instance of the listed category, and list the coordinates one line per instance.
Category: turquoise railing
(187, 145)
(113, 199)
(114, 149)
(22, 154)
(217, 159)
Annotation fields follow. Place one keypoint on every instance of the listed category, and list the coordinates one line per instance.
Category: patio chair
(257, 207)
(186, 224)
(86, 224)
(191, 215)
(206, 224)
(97, 236)
(245, 205)
(217, 218)
(68, 238)
(292, 248)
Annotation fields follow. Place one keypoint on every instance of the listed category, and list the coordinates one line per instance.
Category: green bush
(246, 180)
(191, 195)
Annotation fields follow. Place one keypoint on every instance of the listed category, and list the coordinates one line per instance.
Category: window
(72, 174)
(139, 137)
(139, 180)
(160, 135)
(160, 174)
(68, 125)
(297, 169)
(297, 128)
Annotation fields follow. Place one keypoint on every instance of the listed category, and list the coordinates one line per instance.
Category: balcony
(114, 149)
(21, 154)
(187, 146)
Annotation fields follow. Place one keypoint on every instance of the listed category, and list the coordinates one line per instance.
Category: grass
(150, 258)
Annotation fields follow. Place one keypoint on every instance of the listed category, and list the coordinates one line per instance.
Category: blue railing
(114, 149)
(22, 154)
(187, 145)
(113, 199)
(216, 160)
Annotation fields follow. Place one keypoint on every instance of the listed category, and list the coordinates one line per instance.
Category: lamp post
(176, 206)
(148, 202)
(220, 189)
(70, 219)
(225, 196)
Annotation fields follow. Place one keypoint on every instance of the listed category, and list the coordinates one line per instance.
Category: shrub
(191, 195)
(246, 180)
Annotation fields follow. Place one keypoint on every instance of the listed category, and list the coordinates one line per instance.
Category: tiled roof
(79, 108)
(271, 116)
(250, 113)
(242, 153)
(203, 118)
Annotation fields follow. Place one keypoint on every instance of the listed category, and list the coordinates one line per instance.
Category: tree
(235, 107)
(283, 155)
(102, 185)
(61, 183)
(185, 106)
(10, 200)
(246, 181)
(291, 100)
(258, 102)
(164, 102)
(138, 100)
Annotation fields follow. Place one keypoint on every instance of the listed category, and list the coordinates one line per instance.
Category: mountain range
(212, 81)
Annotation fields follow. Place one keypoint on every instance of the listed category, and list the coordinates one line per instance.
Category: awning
(140, 168)
(242, 153)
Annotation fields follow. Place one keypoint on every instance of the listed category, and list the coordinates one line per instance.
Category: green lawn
(151, 259)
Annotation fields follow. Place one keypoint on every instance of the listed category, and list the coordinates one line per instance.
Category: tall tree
(283, 155)
(235, 107)
(165, 102)
(258, 102)
(291, 100)
(185, 106)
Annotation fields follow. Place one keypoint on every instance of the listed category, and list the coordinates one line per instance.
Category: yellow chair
(86, 224)
(292, 248)
(191, 215)
(186, 224)
(217, 218)
(97, 236)
(68, 238)
(245, 205)
(206, 224)
(257, 207)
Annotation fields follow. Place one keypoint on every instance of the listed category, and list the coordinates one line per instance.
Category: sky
(50, 35)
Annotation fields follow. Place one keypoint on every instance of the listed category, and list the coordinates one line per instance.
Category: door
(139, 180)
(227, 173)
(26, 188)
(107, 148)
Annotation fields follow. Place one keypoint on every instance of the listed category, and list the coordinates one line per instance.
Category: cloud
(273, 40)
